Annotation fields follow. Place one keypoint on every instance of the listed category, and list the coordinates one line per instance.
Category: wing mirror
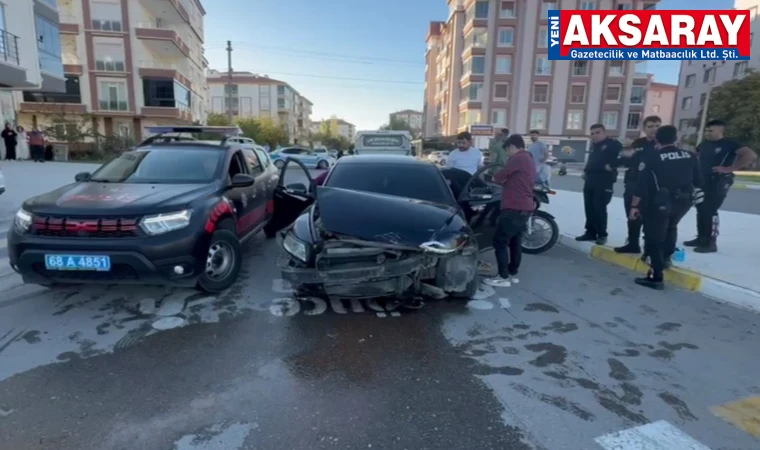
(82, 176)
(241, 180)
(297, 188)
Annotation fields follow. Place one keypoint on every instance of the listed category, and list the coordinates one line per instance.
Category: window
(501, 91)
(684, 124)
(610, 119)
(48, 44)
(504, 64)
(507, 10)
(469, 117)
(538, 119)
(686, 103)
(655, 109)
(499, 117)
(625, 6)
(475, 66)
(254, 165)
(477, 38)
(578, 93)
(543, 65)
(280, 103)
(543, 37)
(708, 75)
(587, 5)
(702, 99)
(691, 80)
(616, 68)
(106, 16)
(506, 37)
(740, 69)
(540, 93)
(546, 7)
(161, 167)
(263, 158)
(2, 16)
(474, 92)
(481, 10)
(638, 94)
(580, 68)
(73, 93)
(574, 120)
(613, 93)
(109, 55)
(112, 96)
(634, 120)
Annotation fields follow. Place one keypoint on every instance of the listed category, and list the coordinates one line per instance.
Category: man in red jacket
(517, 179)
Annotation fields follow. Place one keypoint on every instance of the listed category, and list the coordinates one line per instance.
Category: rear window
(417, 181)
(164, 166)
(382, 140)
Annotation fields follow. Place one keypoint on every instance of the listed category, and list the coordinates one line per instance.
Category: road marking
(504, 302)
(743, 414)
(659, 435)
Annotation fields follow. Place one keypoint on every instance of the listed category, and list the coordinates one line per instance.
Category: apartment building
(30, 50)
(661, 101)
(254, 95)
(488, 64)
(410, 117)
(128, 64)
(337, 127)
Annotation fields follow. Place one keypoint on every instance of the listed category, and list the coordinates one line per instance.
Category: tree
(81, 136)
(218, 120)
(398, 124)
(737, 103)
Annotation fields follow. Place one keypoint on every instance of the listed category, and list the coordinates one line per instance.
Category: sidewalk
(739, 184)
(729, 275)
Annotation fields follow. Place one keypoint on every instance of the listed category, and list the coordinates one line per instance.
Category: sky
(359, 60)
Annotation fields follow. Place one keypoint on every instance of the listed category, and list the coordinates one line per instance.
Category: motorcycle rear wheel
(552, 228)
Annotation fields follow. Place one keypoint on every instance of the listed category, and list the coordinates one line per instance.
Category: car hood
(381, 218)
(91, 197)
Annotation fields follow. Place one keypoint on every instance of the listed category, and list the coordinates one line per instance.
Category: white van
(383, 142)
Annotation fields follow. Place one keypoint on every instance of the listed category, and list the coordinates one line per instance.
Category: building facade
(488, 64)
(337, 127)
(411, 118)
(128, 64)
(254, 95)
(661, 101)
(30, 50)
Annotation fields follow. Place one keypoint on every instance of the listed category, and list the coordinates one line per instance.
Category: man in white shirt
(540, 153)
(465, 157)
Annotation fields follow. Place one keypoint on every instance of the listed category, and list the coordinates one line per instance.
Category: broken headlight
(296, 247)
(444, 246)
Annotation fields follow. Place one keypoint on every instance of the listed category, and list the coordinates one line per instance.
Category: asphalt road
(558, 362)
(738, 200)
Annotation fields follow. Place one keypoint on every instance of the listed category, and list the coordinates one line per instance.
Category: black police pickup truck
(171, 213)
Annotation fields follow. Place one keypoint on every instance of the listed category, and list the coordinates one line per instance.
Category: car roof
(182, 145)
(386, 159)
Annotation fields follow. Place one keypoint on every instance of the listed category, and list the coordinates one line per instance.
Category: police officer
(719, 158)
(600, 175)
(631, 159)
(664, 194)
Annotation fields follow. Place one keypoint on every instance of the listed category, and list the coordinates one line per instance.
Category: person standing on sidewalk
(631, 159)
(517, 179)
(10, 139)
(496, 153)
(664, 192)
(719, 158)
(37, 145)
(540, 153)
(600, 174)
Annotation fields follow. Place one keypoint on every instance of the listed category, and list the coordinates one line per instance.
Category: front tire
(470, 290)
(223, 261)
(553, 229)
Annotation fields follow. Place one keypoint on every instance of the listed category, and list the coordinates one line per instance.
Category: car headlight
(23, 220)
(164, 223)
(444, 246)
(296, 247)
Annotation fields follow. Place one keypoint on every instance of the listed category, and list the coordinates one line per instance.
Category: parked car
(168, 214)
(195, 133)
(381, 225)
(309, 158)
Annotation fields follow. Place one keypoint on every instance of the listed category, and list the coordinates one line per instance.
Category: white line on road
(659, 435)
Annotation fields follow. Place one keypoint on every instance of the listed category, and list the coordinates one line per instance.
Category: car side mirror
(83, 176)
(241, 180)
(297, 188)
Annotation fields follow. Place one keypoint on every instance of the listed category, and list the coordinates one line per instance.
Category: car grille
(77, 227)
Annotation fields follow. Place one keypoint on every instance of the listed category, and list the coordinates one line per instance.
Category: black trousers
(596, 197)
(10, 151)
(634, 226)
(507, 241)
(661, 234)
(707, 213)
(37, 152)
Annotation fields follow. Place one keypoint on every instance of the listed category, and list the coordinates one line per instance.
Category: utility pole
(229, 81)
(703, 119)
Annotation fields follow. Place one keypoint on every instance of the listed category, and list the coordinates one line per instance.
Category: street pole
(229, 81)
(703, 119)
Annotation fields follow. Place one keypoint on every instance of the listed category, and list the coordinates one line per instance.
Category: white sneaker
(498, 282)
(513, 279)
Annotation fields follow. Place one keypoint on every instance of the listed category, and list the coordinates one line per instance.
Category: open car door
(480, 199)
(295, 192)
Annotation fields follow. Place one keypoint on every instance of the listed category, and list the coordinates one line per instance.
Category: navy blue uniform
(597, 190)
(639, 147)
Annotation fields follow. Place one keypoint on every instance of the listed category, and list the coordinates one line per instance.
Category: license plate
(78, 262)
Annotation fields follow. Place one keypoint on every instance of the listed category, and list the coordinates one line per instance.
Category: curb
(755, 187)
(680, 278)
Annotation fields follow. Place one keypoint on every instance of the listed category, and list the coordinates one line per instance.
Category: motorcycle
(562, 170)
(542, 231)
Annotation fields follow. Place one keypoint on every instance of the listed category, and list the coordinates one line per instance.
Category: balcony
(55, 103)
(68, 24)
(164, 41)
(11, 72)
(169, 11)
(166, 98)
(158, 69)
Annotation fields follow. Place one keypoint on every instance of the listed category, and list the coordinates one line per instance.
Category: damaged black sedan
(380, 226)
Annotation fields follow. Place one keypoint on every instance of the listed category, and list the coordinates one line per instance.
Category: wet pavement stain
(667, 353)
(561, 327)
(624, 323)
(553, 354)
(556, 401)
(648, 310)
(32, 337)
(678, 405)
(667, 327)
(627, 353)
(542, 307)
(632, 395)
(616, 291)
(620, 371)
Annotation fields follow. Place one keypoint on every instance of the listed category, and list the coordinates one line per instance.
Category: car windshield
(416, 181)
(164, 166)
